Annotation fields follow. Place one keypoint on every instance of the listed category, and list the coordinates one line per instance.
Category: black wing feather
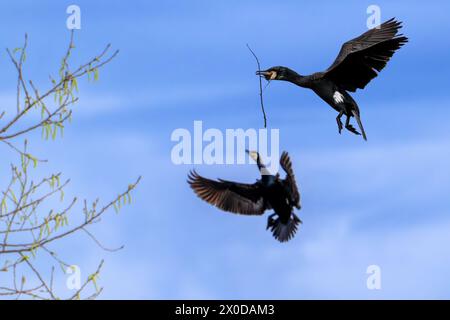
(229, 196)
(289, 181)
(361, 58)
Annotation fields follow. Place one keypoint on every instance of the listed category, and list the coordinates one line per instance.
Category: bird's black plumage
(268, 193)
(357, 63)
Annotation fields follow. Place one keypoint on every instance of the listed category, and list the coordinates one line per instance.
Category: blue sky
(383, 202)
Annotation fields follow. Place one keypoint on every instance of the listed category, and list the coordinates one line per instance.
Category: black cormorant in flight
(270, 192)
(356, 64)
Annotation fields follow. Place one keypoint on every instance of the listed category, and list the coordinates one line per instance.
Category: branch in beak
(268, 75)
(263, 73)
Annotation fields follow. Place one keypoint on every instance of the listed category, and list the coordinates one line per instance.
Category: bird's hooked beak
(253, 154)
(268, 75)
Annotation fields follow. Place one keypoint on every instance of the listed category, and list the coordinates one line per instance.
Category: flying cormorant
(269, 192)
(356, 64)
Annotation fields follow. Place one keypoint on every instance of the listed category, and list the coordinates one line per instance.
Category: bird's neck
(296, 78)
(262, 169)
(299, 80)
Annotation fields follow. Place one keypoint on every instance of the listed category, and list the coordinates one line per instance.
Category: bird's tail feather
(284, 232)
(358, 119)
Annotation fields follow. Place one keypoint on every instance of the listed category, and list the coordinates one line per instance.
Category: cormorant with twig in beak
(355, 66)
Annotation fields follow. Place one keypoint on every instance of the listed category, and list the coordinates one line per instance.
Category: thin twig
(260, 87)
(36, 272)
(99, 243)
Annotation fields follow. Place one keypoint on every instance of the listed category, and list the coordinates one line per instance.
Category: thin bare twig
(260, 87)
(100, 244)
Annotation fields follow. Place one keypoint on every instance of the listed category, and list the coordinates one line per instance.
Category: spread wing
(229, 196)
(361, 58)
(289, 182)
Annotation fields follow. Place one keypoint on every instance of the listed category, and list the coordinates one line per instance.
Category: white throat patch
(338, 97)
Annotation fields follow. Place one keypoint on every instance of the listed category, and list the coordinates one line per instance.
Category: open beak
(263, 73)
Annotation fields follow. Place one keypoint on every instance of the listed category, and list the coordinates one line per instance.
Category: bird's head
(277, 73)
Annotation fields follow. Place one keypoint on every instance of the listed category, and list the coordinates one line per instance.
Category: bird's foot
(270, 221)
(352, 129)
